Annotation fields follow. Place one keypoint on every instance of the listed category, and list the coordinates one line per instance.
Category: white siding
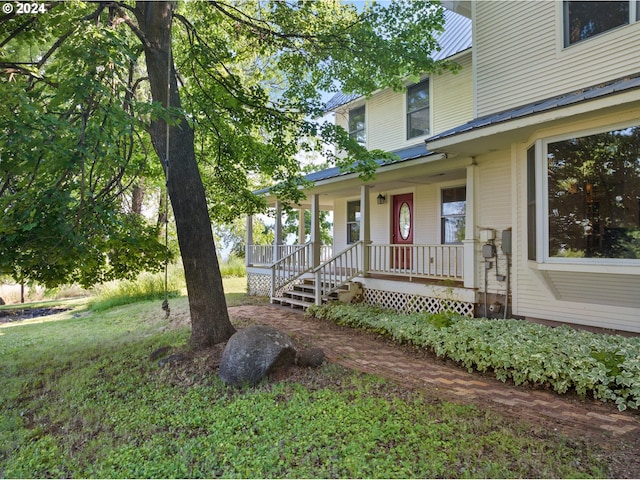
(494, 212)
(520, 57)
(453, 97)
(385, 112)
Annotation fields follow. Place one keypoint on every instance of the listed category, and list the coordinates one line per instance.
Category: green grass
(81, 398)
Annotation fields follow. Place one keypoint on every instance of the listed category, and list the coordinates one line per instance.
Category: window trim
(354, 133)
(409, 112)
(542, 205)
(442, 216)
(634, 17)
(355, 222)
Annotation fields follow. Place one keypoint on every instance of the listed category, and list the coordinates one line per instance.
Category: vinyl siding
(494, 200)
(385, 112)
(520, 57)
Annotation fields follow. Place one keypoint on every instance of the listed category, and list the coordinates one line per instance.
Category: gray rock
(312, 357)
(254, 352)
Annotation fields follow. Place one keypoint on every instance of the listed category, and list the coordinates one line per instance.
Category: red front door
(402, 230)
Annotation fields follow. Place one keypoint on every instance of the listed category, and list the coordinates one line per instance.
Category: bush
(233, 267)
(605, 366)
(147, 286)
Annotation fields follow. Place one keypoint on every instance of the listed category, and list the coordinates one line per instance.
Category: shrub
(605, 366)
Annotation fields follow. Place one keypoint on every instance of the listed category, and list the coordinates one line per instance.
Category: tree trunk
(209, 317)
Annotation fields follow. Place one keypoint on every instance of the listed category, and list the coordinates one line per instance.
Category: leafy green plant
(604, 366)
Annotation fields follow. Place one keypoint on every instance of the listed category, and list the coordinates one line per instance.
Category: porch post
(301, 232)
(315, 230)
(277, 241)
(248, 250)
(469, 273)
(365, 228)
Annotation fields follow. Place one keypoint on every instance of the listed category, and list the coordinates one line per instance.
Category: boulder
(254, 352)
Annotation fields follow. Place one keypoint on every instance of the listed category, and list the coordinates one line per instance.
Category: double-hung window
(357, 129)
(590, 197)
(353, 221)
(586, 19)
(418, 110)
(454, 208)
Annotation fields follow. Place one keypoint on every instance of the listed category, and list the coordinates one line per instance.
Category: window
(593, 196)
(454, 207)
(353, 221)
(357, 125)
(418, 110)
(583, 20)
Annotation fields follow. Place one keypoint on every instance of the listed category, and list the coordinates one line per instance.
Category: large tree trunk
(209, 317)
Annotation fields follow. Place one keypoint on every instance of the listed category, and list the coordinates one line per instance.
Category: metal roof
(590, 93)
(455, 38)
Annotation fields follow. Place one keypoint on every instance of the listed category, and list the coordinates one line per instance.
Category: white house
(517, 186)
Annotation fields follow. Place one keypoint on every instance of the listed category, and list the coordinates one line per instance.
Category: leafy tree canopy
(76, 114)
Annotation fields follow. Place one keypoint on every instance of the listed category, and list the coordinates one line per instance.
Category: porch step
(302, 295)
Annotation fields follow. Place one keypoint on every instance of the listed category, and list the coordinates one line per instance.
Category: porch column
(365, 228)
(315, 230)
(248, 250)
(470, 263)
(277, 241)
(301, 232)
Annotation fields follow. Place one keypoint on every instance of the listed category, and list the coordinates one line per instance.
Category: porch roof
(403, 155)
(618, 86)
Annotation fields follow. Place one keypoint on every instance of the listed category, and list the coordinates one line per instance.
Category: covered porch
(384, 236)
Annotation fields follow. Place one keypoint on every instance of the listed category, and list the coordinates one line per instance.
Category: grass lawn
(80, 397)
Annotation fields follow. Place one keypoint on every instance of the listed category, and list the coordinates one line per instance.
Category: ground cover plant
(604, 366)
(81, 397)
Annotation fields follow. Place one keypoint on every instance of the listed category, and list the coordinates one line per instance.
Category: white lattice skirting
(258, 284)
(409, 303)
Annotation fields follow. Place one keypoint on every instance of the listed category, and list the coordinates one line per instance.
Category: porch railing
(337, 271)
(290, 267)
(262, 255)
(419, 261)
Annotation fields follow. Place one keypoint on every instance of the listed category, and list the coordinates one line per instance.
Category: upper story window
(353, 221)
(583, 20)
(454, 208)
(357, 126)
(418, 110)
(591, 197)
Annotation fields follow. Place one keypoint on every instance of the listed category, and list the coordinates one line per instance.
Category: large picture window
(353, 221)
(357, 129)
(418, 110)
(586, 19)
(454, 208)
(593, 203)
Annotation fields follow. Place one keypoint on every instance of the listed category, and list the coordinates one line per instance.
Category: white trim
(542, 214)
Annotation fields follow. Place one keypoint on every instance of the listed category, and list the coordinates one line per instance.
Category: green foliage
(605, 366)
(233, 267)
(80, 398)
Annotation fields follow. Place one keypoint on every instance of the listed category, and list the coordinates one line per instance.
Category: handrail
(290, 267)
(338, 270)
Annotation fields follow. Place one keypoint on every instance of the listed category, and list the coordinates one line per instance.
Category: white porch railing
(262, 255)
(337, 271)
(417, 261)
(290, 267)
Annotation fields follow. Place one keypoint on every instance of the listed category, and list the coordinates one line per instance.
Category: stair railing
(290, 267)
(337, 271)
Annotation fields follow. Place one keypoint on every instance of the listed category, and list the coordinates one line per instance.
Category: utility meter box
(506, 242)
(487, 234)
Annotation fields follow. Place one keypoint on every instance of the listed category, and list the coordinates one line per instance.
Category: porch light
(381, 199)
